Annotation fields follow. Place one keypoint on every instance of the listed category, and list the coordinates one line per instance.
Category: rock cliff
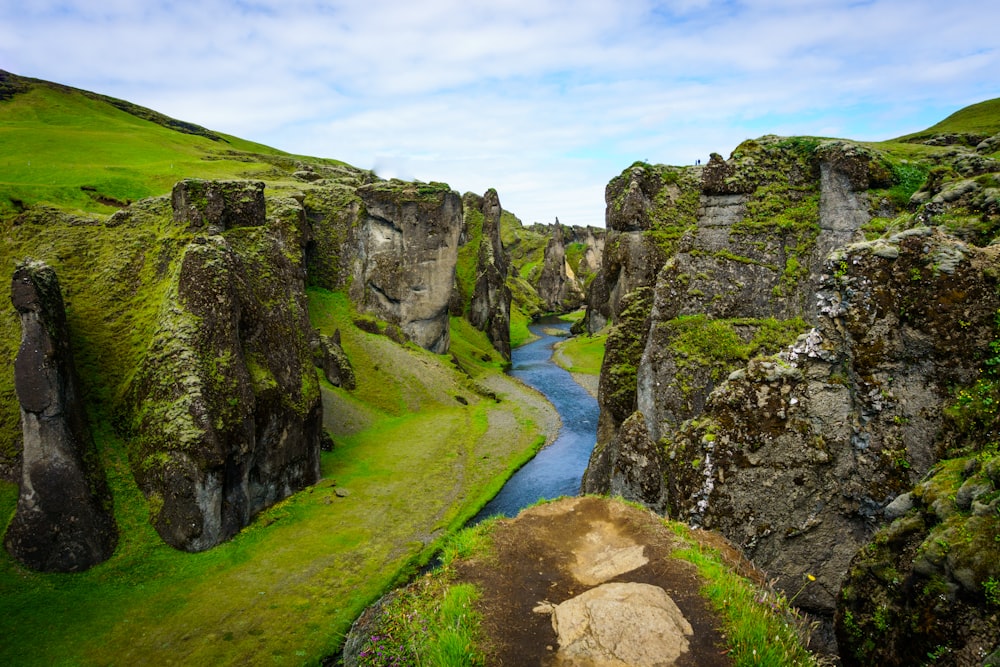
(490, 307)
(795, 457)
(406, 253)
(63, 521)
(224, 411)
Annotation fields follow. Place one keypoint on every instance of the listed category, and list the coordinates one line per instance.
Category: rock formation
(557, 284)
(844, 421)
(489, 308)
(407, 250)
(795, 457)
(63, 521)
(225, 411)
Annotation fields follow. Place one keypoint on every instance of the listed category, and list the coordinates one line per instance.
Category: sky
(544, 100)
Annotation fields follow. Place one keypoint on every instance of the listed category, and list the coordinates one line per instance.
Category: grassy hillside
(982, 119)
(77, 151)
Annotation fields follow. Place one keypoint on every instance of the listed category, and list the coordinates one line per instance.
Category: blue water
(557, 469)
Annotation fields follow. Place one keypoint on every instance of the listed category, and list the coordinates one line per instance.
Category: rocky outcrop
(489, 308)
(847, 419)
(330, 356)
(638, 238)
(406, 253)
(557, 285)
(738, 244)
(928, 584)
(225, 412)
(63, 521)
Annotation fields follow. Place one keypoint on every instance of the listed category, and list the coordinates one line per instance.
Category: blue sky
(544, 100)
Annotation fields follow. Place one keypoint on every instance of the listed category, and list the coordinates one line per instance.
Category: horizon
(543, 103)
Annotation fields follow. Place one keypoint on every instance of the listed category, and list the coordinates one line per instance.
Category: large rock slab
(620, 625)
(63, 521)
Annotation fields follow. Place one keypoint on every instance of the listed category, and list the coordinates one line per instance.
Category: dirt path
(555, 552)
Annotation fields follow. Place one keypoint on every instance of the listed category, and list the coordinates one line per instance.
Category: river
(558, 468)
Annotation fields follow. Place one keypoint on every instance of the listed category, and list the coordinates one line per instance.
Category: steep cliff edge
(406, 257)
(63, 521)
(481, 292)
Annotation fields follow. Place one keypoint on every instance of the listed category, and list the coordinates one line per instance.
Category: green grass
(582, 354)
(74, 151)
(761, 627)
(982, 118)
(433, 621)
(415, 467)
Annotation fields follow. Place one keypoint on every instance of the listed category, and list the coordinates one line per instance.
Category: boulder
(620, 624)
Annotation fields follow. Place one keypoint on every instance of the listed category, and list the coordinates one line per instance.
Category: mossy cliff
(224, 410)
(876, 258)
(481, 291)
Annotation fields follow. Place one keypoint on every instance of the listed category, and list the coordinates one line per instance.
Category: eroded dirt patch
(541, 556)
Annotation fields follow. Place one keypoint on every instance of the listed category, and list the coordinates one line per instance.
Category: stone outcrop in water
(63, 520)
(225, 410)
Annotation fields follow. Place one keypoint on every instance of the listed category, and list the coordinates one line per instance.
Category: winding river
(558, 468)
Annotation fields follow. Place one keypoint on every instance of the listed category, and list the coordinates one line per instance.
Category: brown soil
(534, 559)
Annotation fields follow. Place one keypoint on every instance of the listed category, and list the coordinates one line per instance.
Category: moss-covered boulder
(926, 590)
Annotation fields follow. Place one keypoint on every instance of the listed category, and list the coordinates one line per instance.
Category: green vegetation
(582, 354)
(468, 255)
(75, 151)
(718, 344)
(433, 621)
(762, 627)
(982, 118)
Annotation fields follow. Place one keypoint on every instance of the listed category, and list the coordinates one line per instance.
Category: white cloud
(543, 99)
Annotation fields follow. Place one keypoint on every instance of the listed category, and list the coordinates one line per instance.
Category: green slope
(981, 119)
(79, 151)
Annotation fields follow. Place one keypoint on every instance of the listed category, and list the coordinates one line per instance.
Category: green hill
(77, 150)
(982, 119)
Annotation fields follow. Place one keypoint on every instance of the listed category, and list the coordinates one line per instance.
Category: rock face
(795, 457)
(845, 420)
(63, 521)
(708, 276)
(489, 310)
(557, 285)
(225, 412)
(407, 250)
